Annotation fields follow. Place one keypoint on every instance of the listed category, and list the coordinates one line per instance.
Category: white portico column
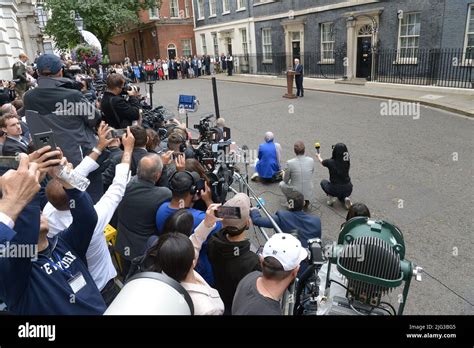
(350, 60)
(6, 55)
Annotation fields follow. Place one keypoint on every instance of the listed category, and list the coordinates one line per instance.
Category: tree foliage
(103, 18)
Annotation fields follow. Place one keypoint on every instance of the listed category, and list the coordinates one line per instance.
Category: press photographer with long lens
(118, 111)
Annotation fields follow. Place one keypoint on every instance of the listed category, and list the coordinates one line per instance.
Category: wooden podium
(290, 77)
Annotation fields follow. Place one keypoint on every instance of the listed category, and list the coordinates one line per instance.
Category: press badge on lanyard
(77, 282)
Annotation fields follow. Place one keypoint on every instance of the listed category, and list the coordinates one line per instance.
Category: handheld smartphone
(118, 133)
(225, 212)
(41, 140)
(9, 162)
(200, 185)
(177, 154)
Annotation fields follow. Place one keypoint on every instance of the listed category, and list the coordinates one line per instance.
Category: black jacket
(137, 216)
(114, 158)
(65, 111)
(125, 111)
(11, 147)
(231, 261)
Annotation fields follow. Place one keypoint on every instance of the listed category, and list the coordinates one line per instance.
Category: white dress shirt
(98, 256)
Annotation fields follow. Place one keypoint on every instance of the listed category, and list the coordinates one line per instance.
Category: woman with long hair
(339, 185)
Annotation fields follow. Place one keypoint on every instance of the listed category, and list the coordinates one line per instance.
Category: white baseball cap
(286, 249)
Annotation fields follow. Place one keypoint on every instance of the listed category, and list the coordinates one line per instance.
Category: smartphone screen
(118, 133)
(224, 212)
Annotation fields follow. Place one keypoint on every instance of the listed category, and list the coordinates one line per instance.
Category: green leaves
(103, 18)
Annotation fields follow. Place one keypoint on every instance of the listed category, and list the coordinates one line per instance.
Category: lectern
(290, 77)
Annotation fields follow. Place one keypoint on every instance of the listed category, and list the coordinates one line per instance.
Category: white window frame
(407, 60)
(200, 8)
(212, 8)
(190, 47)
(267, 48)
(186, 8)
(42, 16)
(332, 40)
(215, 43)
(263, 2)
(241, 5)
(203, 44)
(176, 2)
(470, 14)
(225, 9)
(156, 10)
(245, 45)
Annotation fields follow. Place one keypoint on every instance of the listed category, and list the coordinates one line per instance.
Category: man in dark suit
(14, 142)
(137, 211)
(307, 225)
(299, 78)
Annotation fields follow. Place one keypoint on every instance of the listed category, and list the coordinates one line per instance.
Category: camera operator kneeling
(259, 293)
(117, 111)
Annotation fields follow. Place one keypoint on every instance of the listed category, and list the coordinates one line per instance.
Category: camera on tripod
(205, 128)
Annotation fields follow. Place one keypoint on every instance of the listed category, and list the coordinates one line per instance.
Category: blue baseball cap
(49, 64)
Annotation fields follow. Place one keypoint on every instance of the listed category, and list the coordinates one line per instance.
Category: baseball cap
(49, 64)
(286, 249)
(242, 201)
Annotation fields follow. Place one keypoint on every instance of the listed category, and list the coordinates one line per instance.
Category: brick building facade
(166, 32)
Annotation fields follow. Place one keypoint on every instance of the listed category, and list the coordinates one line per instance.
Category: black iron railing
(430, 67)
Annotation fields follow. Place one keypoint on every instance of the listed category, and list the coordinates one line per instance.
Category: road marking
(432, 96)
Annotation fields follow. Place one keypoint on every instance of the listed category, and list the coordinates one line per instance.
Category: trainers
(347, 203)
(254, 177)
(331, 200)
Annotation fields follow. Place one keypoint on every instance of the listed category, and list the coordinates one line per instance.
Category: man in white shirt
(59, 217)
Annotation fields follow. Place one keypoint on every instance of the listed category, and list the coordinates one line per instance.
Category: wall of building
(151, 40)
(455, 19)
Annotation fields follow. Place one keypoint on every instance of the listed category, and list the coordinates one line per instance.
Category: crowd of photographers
(156, 192)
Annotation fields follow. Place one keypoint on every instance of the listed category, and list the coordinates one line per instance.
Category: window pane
(470, 40)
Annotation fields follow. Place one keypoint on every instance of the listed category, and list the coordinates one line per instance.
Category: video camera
(215, 156)
(205, 128)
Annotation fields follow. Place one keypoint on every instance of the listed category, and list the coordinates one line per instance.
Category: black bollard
(216, 101)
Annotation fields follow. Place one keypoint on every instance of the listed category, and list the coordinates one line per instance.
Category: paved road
(417, 173)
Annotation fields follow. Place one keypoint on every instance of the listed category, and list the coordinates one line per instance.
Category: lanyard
(58, 264)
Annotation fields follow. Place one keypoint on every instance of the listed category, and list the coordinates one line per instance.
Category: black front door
(229, 46)
(364, 57)
(296, 51)
(171, 53)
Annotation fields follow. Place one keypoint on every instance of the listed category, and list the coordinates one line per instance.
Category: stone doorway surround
(355, 21)
(290, 26)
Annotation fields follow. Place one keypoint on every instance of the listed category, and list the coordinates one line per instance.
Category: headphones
(198, 184)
